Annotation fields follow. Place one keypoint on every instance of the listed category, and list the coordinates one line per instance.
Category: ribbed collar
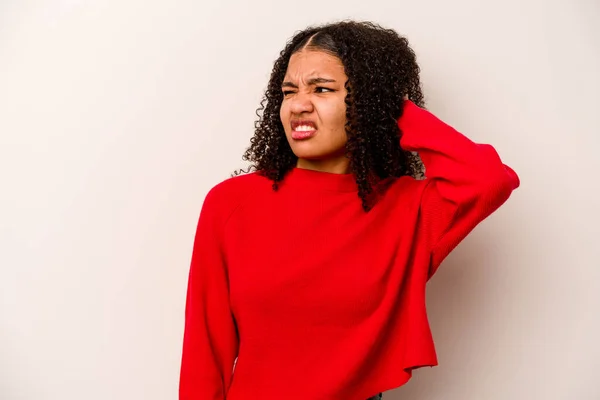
(308, 179)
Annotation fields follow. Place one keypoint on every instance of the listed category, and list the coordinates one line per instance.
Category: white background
(116, 118)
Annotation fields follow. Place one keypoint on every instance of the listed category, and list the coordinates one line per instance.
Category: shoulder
(226, 196)
(239, 185)
(403, 194)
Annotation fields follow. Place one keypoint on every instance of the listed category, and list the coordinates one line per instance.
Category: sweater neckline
(309, 179)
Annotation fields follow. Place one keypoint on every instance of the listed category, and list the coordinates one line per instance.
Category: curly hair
(381, 69)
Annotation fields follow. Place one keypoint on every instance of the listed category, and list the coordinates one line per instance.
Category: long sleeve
(466, 181)
(210, 340)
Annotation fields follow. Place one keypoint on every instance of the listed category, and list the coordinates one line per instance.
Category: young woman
(308, 274)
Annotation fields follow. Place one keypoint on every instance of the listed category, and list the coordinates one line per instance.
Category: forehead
(314, 63)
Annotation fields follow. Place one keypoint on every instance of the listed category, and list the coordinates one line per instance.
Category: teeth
(304, 128)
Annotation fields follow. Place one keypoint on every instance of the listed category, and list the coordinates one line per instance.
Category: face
(313, 111)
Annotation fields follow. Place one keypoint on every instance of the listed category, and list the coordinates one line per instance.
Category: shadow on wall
(458, 306)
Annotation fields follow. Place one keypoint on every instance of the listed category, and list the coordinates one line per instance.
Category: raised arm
(466, 181)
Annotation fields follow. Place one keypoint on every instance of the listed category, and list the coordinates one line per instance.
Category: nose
(301, 103)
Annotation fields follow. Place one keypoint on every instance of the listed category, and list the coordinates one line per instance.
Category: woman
(308, 274)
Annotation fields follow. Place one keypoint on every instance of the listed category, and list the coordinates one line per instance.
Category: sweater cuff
(411, 114)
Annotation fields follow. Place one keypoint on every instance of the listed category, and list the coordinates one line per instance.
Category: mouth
(303, 129)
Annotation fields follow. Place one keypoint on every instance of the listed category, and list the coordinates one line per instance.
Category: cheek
(337, 116)
(342, 114)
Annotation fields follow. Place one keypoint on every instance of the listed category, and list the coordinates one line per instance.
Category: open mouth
(303, 129)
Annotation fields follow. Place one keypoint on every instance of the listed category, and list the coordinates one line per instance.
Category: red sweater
(316, 298)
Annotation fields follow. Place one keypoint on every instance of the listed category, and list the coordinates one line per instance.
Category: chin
(313, 151)
(308, 154)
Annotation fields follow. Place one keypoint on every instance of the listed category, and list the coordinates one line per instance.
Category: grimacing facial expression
(313, 111)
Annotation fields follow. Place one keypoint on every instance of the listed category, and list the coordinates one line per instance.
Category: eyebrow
(312, 81)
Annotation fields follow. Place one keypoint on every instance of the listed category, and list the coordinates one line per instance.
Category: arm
(466, 181)
(210, 339)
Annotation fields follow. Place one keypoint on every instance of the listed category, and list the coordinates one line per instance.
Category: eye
(321, 89)
(287, 92)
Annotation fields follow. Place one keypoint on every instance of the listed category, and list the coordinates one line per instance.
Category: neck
(334, 166)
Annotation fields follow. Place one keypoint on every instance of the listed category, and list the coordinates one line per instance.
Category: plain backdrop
(117, 116)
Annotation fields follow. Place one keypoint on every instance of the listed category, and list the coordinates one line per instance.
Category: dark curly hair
(381, 69)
